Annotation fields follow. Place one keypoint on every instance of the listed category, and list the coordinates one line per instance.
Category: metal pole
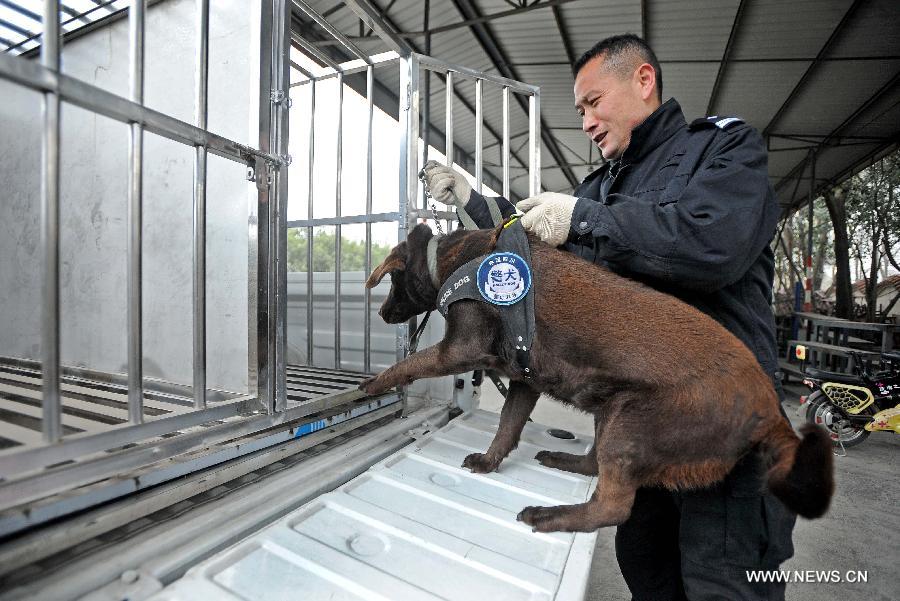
(409, 103)
(426, 92)
(479, 143)
(808, 304)
(534, 143)
(136, 16)
(199, 234)
(448, 129)
(337, 228)
(281, 74)
(51, 401)
(505, 157)
(309, 230)
(367, 299)
(263, 228)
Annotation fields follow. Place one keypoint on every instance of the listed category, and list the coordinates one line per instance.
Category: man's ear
(395, 260)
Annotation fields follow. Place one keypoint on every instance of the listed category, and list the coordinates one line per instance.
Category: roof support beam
(826, 47)
(564, 36)
(375, 19)
(835, 133)
(483, 19)
(644, 30)
(489, 44)
(726, 56)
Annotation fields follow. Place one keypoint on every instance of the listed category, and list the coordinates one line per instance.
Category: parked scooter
(852, 406)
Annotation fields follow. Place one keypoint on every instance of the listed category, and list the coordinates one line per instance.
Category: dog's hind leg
(610, 505)
(578, 464)
(520, 401)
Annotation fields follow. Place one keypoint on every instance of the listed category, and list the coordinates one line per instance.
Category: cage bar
(136, 18)
(201, 112)
(504, 159)
(534, 144)
(479, 126)
(367, 293)
(309, 228)
(337, 228)
(50, 328)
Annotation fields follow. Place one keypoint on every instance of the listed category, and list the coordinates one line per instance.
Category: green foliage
(867, 209)
(353, 252)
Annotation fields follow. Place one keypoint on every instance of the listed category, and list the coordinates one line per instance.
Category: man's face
(611, 106)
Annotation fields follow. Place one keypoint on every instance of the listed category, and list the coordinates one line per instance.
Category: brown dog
(675, 404)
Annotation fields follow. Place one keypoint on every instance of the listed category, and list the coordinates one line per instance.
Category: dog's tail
(802, 469)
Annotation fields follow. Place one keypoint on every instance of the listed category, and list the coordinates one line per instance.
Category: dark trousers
(698, 545)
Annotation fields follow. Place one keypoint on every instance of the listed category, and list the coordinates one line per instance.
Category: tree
(353, 252)
(873, 224)
(835, 201)
(864, 215)
(792, 247)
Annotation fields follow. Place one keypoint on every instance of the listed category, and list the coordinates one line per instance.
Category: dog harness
(502, 278)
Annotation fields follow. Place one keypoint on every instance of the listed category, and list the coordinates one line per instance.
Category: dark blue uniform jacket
(689, 211)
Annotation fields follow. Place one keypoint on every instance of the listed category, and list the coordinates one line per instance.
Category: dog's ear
(420, 232)
(417, 240)
(395, 260)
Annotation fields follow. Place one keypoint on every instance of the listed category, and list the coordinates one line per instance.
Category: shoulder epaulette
(715, 121)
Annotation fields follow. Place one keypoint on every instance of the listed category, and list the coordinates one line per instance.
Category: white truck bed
(416, 526)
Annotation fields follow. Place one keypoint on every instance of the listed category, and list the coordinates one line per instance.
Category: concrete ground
(857, 533)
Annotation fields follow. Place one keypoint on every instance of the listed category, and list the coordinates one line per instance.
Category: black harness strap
(517, 319)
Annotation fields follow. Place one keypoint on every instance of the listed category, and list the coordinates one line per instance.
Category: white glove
(548, 216)
(446, 185)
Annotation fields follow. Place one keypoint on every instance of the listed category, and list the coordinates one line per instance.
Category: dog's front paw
(547, 519)
(373, 385)
(480, 463)
(547, 458)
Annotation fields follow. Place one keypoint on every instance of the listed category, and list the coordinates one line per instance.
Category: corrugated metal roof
(823, 72)
(417, 526)
(767, 50)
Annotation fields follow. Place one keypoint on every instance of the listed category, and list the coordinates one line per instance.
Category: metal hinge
(258, 166)
(279, 97)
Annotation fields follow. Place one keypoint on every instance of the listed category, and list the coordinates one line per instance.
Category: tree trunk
(872, 281)
(843, 306)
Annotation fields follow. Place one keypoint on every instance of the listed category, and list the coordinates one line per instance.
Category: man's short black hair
(621, 54)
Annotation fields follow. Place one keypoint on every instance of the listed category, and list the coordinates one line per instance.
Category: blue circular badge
(504, 278)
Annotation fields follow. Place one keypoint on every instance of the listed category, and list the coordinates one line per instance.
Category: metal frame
(326, 49)
(267, 381)
(63, 462)
(410, 100)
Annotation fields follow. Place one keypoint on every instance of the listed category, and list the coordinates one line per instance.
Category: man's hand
(548, 216)
(445, 184)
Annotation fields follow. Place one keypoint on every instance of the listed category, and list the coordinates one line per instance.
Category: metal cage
(144, 421)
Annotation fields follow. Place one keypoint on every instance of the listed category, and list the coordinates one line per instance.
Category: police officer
(687, 209)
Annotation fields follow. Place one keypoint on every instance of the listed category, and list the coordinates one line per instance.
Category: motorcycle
(852, 406)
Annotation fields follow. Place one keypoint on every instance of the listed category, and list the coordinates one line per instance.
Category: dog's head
(411, 292)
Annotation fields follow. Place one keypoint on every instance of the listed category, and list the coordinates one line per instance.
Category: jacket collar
(661, 125)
